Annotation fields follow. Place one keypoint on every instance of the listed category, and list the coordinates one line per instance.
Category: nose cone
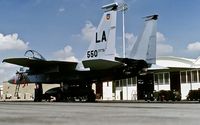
(12, 80)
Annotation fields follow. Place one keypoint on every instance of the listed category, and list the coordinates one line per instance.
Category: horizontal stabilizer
(100, 64)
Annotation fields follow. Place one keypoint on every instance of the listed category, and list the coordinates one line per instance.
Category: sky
(62, 29)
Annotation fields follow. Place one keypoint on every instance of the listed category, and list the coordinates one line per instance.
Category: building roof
(172, 62)
(175, 62)
(157, 67)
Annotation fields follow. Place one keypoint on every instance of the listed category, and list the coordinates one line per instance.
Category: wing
(38, 65)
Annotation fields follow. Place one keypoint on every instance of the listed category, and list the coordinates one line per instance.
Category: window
(134, 80)
(189, 76)
(129, 81)
(124, 82)
(194, 76)
(161, 78)
(183, 77)
(166, 76)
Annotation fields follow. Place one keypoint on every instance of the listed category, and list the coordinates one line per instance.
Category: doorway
(175, 81)
(145, 86)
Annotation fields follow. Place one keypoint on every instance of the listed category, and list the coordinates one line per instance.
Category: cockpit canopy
(32, 54)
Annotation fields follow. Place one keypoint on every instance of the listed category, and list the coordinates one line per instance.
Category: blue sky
(61, 29)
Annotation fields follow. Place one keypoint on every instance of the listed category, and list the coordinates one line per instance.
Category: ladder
(17, 90)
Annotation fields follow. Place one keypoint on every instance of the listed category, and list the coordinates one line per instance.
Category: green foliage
(193, 95)
(166, 95)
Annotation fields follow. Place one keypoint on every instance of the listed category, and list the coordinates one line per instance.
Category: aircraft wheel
(91, 97)
(58, 97)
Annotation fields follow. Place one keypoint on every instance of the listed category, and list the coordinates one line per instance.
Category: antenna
(123, 7)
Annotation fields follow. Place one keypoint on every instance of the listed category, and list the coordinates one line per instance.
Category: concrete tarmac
(52, 113)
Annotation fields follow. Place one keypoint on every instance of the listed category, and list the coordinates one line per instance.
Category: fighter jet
(99, 63)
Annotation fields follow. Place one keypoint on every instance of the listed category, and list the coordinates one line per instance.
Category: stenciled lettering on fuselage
(94, 53)
(103, 38)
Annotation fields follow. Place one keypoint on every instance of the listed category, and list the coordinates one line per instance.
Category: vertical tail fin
(102, 45)
(101, 52)
(145, 46)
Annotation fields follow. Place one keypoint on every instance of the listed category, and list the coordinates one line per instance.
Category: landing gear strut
(91, 97)
(38, 92)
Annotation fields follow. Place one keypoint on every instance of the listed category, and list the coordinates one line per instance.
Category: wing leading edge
(42, 65)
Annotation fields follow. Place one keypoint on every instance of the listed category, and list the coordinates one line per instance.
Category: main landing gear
(72, 93)
(82, 93)
(66, 93)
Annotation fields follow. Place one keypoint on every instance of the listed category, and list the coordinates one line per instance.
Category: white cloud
(86, 35)
(61, 9)
(164, 49)
(12, 42)
(7, 71)
(66, 54)
(7, 65)
(88, 31)
(194, 46)
(160, 37)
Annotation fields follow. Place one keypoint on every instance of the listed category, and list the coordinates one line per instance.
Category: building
(24, 92)
(1, 91)
(169, 73)
(181, 74)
